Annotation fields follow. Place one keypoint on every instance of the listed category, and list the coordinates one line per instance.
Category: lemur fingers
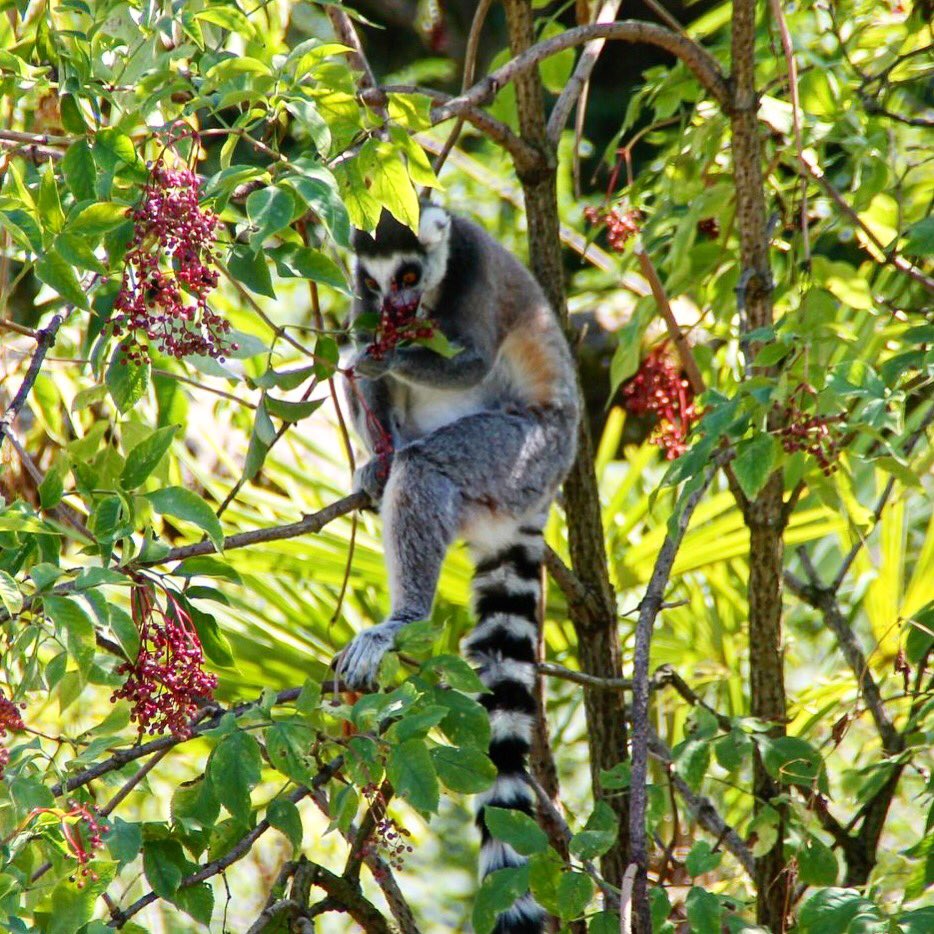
(358, 664)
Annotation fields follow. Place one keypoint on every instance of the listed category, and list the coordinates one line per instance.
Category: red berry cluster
(168, 273)
(659, 388)
(620, 226)
(167, 680)
(11, 721)
(83, 839)
(389, 838)
(398, 321)
(817, 435)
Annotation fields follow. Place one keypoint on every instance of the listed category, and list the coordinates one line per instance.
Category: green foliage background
(291, 158)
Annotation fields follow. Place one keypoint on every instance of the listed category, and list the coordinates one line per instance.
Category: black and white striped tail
(507, 590)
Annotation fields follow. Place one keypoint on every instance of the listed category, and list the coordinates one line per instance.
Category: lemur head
(396, 266)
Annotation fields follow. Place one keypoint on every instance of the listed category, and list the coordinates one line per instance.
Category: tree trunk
(597, 635)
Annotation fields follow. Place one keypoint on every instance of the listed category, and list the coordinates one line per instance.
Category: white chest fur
(423, 409)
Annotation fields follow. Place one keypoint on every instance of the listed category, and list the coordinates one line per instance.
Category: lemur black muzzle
(404, 302)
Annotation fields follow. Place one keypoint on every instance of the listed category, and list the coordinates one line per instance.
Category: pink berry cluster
(659, 388)
(398, 322)
(389, 838)
(817, 435)
(621, 226)
(167, 680)
(168, 273)
(11, 721)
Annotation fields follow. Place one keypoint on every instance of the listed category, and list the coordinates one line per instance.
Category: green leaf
(817, 864)
(229, 18)
(603, 922)
(292, 411)
(96, 219)
(839, 911)
(625, 360)
(497, 894)
(516, 829)
(213, 641)
(80, 171)
(575, 890)
(234, 769)
(270, 210)
(126, 381)
(463, 769)
(164, 866)
(124, 840)
(183, 504)
(456, 673)
(288, 746)
(283, 815)
(197, 901)
(467, 722)
(145, 457)
(56, 272)
(114, 150)
(293, 261)
(195, 805)
(251, 269)
(74, 907)
(753, 463)
(702, 858)
(10, 594)
(704, 911)
(599, 833)
(792, 760)
(920, 240)
(617, 777)
(412, 774)
(72, 622)
(692, 759)
(49, 203)
(78, 251)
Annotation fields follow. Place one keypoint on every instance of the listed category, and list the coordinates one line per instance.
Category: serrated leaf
(126, 381)
(793, 760)
(283, 815)
(467, 723)
(183, 504)
(575, 890)
(702, 859)
(288, 745)
(496, 894)
(234, 769)
(692, 759)
(753, 463)
(145, 457)
(80, 171)
(124, 840)
(197, 901)
(463, 769)
(817, 864)
(704, 911)
(516, 829)
(270, 210)
(413, 776)
(835, 910)
(164, 865)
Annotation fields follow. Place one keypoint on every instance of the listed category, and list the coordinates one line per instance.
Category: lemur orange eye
(371, 283)
(409, 278)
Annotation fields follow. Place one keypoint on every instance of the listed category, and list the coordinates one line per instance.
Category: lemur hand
(358, 664)
(371, 478)
(371, 367)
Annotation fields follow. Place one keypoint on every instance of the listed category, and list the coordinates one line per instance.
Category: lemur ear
(433, 226)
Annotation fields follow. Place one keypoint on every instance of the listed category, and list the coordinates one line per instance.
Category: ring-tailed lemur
(481, 442)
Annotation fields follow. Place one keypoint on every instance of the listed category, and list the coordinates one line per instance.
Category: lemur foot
(358, 664)
(372, 478)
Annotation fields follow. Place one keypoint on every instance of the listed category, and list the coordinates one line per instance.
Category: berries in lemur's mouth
(399, 321)
(168, 273)
(659, 388)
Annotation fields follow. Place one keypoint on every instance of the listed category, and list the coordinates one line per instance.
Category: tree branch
(648, 610)
(700, 62)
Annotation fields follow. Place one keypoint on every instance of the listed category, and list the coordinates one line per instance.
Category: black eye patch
(408, 275)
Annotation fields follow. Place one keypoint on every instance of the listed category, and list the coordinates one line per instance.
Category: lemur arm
(417, 364)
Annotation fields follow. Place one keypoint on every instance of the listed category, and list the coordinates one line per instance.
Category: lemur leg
(504, 463)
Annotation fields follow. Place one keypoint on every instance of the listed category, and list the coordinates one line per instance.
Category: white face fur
(434, 229)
